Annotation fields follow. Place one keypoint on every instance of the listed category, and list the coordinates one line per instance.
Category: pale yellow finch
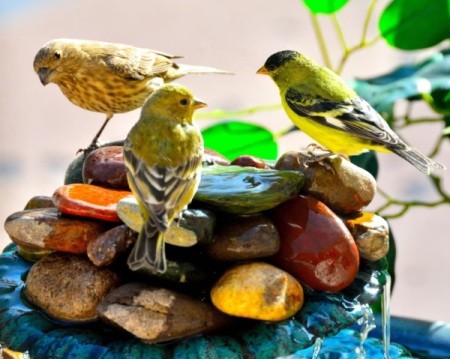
(163, 155)
(322, 105)
(106, 77)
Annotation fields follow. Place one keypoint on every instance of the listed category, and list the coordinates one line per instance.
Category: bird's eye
(184, 102)
(57, 55)
(271, 67)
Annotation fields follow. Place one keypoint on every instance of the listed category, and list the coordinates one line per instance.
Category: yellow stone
(128, 212)
(258, 291)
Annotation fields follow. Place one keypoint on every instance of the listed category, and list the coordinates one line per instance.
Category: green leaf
(324, 6)
(415, 24)
(235, 138)
(367, 161)
(430, 77)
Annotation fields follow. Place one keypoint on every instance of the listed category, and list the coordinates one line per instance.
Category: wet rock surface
(159, 315)
(48, 229)
(257, 291)
(89, 201)
(316, 247)
(260, 216)
(68, 287)
(244, 238)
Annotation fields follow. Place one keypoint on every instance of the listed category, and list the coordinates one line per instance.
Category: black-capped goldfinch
(322, 105)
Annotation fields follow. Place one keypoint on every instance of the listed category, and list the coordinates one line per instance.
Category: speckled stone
(371, 233)
(105, 167)
(108, 246)
(335, 181)
(257, 291)
(244, 238)
(68, 287)
(159, 315)
(47, 229)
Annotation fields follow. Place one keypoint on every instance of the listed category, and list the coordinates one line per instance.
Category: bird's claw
(89, 149)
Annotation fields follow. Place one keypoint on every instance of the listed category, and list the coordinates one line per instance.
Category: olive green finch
(163, 155)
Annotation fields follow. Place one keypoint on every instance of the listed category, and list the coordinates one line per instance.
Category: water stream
(317, 346)
(386, 315)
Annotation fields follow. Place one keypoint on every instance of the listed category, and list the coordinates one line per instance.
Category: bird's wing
(354, 116)
(135, 63)
(161, 189)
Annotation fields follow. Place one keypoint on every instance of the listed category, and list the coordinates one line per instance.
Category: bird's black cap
(279, 58)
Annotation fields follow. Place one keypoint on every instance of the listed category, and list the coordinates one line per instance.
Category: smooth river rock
(257, 291)
(105, 167)
(335, 181)
(159, 315)
(108, 246)
(244, 238)
(316, 246)
(47, 229)
(68, 287)
(371, 233)
(86, 200)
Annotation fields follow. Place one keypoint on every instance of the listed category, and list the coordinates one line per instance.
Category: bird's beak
(44, 74)
(262, 71)
(199, 104)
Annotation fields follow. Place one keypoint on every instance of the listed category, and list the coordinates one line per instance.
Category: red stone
(86, 200)
(249, 161)
(316, 247)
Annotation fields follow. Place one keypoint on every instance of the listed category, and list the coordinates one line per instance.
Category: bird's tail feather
(148, 252)
(184, 69)
(421, 162)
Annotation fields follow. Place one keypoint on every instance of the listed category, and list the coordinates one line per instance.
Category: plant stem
(406, 205)
(224, 114)
(363, 43)
(339, 31)
(321, 41)
(369, 13)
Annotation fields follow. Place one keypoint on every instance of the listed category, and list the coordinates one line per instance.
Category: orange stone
(87, 200)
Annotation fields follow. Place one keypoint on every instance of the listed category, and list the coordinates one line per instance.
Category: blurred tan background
(41, 130)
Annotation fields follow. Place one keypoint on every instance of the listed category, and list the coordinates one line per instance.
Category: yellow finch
(322, 105)
(163, 155)
(105, 77)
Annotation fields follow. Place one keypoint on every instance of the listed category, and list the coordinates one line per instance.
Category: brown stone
(245, 237)
(105, 249)
(105, 167)
(371, 233)
(40, 202)
(47, 229)
(157, 314)
(249, 161)
(335, 181)
(68, 287)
